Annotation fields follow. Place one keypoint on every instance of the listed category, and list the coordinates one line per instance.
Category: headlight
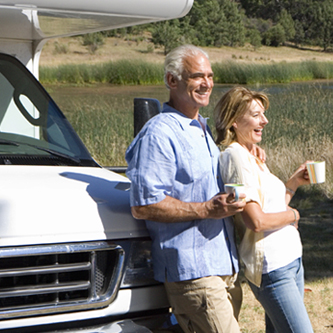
(138, 267)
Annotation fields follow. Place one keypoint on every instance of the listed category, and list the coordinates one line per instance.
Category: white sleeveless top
(266, 251)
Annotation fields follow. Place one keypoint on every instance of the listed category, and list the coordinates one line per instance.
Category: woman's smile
(249, 127)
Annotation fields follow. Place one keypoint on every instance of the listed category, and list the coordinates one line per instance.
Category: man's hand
(224, 205)
(259, 152)
(171, 210)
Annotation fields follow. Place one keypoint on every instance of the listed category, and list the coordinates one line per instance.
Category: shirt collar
(182, 119)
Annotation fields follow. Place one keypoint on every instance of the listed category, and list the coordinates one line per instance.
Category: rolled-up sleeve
(151, 169)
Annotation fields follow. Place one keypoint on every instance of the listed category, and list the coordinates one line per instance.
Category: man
(173, 166)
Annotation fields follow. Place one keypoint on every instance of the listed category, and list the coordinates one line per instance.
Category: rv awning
(43, 19)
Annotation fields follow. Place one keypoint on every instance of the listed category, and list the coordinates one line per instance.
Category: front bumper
(150, 324)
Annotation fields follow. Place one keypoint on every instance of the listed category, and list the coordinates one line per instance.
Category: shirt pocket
(199, 160)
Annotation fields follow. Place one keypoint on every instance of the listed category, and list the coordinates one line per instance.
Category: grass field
(300, 128)
(126, 62)
(71, 51)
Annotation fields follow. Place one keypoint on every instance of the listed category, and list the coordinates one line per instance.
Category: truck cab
(72, 257)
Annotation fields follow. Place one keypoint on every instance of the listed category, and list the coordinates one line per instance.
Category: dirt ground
(71, 50)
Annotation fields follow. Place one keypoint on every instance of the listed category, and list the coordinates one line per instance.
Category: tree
(299, 37)
(287, 23)
(234, 26)
(275, 36)
(218, 22)
(166, 34)
(93, 41)
(206, 17)
(323, 14)
(255, 38)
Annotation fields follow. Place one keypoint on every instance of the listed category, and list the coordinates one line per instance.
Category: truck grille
(58, 278)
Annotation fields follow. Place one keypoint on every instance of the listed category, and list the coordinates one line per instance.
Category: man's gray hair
(174, 61)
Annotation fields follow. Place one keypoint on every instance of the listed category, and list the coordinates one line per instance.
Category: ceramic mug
(234, 188)
(316, 171)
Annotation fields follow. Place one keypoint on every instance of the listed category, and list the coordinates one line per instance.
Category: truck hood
(52, 204)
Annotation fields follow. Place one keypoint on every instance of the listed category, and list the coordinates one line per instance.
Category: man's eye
(196, 77)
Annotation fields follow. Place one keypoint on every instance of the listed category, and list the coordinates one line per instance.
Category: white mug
(234, 188)
(316, 171)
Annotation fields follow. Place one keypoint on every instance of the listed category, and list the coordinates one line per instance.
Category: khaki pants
(206, 305)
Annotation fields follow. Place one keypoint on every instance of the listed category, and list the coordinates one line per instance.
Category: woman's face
(248, 128)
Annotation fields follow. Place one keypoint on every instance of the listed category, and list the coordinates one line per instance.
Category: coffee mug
(234, 188)
(316, 171)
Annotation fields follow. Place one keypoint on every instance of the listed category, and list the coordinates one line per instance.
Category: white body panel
(64, 204)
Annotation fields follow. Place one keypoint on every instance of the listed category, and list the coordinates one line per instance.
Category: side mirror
(144, 109)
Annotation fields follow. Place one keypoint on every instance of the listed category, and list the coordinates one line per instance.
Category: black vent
(35, 160)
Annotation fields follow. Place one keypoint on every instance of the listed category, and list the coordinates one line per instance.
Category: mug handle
(236, 193)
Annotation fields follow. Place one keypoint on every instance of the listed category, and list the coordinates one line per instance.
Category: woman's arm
(256, 220)
(300, 177)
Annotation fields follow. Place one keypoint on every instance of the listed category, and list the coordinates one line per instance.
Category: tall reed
(249, 73)
(122, 72)
(136, 72)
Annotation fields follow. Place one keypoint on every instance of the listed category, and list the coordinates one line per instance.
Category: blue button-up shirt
(173, 156)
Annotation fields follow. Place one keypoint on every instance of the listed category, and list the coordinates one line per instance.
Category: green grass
(132, 72)
(122, 72)
(240, 73)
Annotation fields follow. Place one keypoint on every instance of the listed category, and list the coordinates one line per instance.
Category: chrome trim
(93, 298)
(43, 269)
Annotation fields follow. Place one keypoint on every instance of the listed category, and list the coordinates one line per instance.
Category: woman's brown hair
(233, 105)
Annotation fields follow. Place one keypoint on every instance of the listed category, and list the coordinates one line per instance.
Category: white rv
(72, 258)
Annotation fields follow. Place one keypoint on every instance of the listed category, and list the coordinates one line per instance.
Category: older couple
(177, 174)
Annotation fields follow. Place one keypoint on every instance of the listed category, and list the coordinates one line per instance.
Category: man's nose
(208, 81)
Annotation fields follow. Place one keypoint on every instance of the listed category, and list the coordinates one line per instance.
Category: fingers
(231, 197)
(224, 205)
(300, 176)
(260, 153)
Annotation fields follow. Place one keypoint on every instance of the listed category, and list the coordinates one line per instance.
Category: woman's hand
(299, 177)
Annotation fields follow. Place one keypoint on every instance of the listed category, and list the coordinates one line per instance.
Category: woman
(271, 248)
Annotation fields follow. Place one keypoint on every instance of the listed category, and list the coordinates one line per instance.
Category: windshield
(33, 130)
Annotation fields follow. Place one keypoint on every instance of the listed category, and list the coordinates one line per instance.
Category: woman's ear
(234, 125)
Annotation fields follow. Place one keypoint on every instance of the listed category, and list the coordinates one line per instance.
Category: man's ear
(172, 81)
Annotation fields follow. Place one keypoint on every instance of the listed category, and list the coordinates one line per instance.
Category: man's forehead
(197, 64)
